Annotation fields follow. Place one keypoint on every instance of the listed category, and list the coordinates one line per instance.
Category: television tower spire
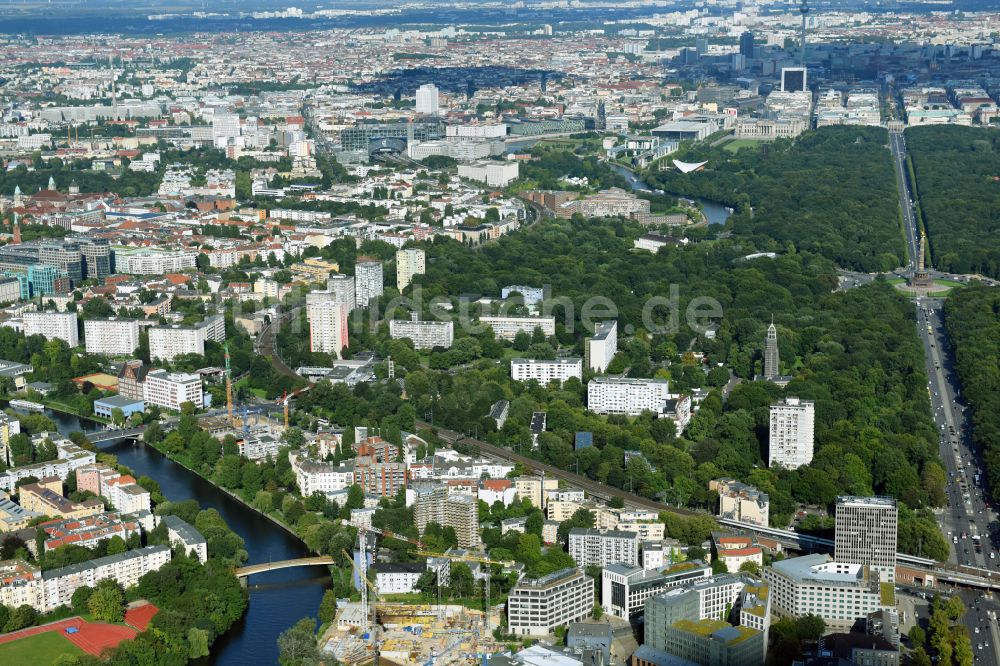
(804, 10)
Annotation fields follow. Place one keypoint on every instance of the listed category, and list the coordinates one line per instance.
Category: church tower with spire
(772, 361)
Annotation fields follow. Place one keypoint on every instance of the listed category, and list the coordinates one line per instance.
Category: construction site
(411, 634)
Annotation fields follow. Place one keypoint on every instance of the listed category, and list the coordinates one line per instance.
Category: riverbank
(711, 212)
(60, 407)
(283, 525)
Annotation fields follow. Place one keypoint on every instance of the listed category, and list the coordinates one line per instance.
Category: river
(715, 213)
(278, 599)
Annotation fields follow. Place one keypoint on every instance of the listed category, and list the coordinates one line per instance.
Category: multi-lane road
(968, 521)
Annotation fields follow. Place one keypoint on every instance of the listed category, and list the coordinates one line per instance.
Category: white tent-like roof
(688, 167)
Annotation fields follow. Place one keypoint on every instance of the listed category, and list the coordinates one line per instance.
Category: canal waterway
(715, 213)
(278, 599)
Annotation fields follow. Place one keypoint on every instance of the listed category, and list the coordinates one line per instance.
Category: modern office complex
(624, 589)
(368, 280)
(537, 606)
(623, 395)
(424, 334)
(600, 548)
(114, 337)
(559, 370)
(52, 325)
(866, 530)
(839, 592)
(721, 621)
(602, 346)
(790, 443)
(409, 262)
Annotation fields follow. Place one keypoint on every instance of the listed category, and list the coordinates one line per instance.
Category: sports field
(41, 649)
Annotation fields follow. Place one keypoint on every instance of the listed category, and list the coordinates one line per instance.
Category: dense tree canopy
(832, 191)
(957, 170)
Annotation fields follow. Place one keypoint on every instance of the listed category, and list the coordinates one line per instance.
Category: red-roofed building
(735, 550)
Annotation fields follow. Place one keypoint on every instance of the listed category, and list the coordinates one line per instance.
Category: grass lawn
(260, 393)
(736, 144)
(40, 649)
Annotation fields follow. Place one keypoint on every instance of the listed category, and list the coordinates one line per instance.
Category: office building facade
(538, 606)
(866, 533)
(170, 390)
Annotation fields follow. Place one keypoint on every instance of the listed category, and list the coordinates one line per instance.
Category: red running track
(91, 637)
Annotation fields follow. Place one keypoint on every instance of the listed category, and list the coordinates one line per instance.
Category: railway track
(595, 488)
(267, 344)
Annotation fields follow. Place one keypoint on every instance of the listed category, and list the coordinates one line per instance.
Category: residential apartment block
(602, 346)
(738, 501)
(600, 548)
(52, 326)
(168, 342)
(790, 441)
(424, 334)
(368, 280)
(113, 337)
(623, 395)
(327, 323)
(461, 512)
(507, 328)
(409, 262)
(558, 370)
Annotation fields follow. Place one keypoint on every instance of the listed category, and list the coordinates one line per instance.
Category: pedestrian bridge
(243, 572)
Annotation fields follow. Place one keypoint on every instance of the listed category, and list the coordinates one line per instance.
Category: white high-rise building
(602, 346)
(342, 287)
(52, 325)
(114, 337)
(622, 395)
(866, 532)
(327, 322)
(409, 262)
(427, 100)
(790, 443)
(368, 281)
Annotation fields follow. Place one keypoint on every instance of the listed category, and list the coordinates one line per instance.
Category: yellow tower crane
(229, 387)
(480, 560)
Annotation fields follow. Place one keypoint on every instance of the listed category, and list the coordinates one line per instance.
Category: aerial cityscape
(477, 333)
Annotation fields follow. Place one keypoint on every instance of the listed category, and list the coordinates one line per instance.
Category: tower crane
(367, 585)
(229, 387)
(480, 560)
